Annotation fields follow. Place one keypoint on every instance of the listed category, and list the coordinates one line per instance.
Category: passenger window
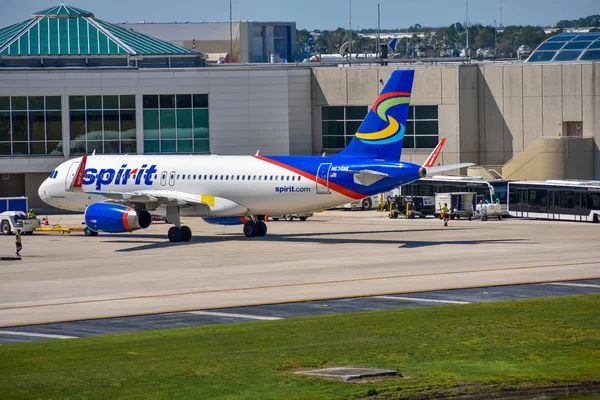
(259, 177)
(194, 176)
(293, 178)
(282, 178)
(243, 177)
(254, 178)
(288, 178)
(210, 178)
(276, 177)
(271, 178)
(265, 177)
(177, 176)
(226, 177)
(182, 176)
(204, 177)
(221, 177)
(189, 177)
(238, 178)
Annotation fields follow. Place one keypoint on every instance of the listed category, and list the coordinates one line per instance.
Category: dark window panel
(150, 101)
(567, 55)
(426, 128)
(426, 142)
(19, 103)
(411, 112)
(185, 146)
(20, 128)
(410, 128)
(426, 112)
(112, 146)
(168, 146)
(333, 128)
(128, 102)
(20, 148)
(333, 142)
(37, 125)
(541, 56)
(151, 127)
(591, 55)
(200, 101)
(201, 124)
(36, 103)
(95, 146)
(37, 148)
(167, 101)
(184, 101)
(201, 146)
(151, 146)
(5, 129)
(167, 124)
(128, 124)
(347, 140)
(55, 149)
(5, 149)
(352, 127)
(5, 103)
(332, 113)
(129, 146)
(54, 125)
(53, 103)
(356, 112)
(184, 125)
(576, 45)
(110, 102)
(93, 102)
(76, 102)
(409, 142)
(94, 125)
(77, 120)
(111, 125)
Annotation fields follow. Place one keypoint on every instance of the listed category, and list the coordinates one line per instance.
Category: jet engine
(115, 218)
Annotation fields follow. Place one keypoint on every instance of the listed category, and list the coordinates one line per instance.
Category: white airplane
(118, 192)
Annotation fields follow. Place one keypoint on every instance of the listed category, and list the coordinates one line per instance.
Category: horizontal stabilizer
(367, 177)
(436, 170)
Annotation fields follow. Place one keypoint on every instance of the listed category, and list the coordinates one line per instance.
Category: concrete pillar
(66, 126)
(139, 123)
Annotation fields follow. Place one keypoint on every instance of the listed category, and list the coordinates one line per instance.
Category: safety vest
(18, 238)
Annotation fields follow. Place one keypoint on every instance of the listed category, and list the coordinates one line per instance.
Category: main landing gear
(177, 233)
(252, 228)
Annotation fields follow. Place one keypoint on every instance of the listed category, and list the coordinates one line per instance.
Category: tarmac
(340, 256)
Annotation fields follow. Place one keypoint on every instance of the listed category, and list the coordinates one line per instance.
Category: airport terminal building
(72, 84)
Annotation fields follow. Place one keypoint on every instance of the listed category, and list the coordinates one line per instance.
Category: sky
(319, 14)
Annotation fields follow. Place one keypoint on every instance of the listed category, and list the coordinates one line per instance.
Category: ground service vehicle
(485, 190)
(290, 217)
(10, 221)
(563, 200)
(460, 204)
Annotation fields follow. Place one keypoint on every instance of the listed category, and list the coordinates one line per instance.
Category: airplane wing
(155, 198)
(449, 167)
(367, 177)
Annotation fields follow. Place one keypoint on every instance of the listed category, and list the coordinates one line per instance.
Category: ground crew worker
(444, 213)
(18, 243)
(30, 214)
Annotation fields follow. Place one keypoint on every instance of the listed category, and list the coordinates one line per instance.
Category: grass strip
(440, 351)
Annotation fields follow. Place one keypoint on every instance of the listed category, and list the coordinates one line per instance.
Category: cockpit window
(53, 174)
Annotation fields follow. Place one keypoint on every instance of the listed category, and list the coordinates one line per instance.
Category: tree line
(437, 42)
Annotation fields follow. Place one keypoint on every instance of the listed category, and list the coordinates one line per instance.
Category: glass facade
(105, 124)
(340, 123)
(176, 123)
(30, 125)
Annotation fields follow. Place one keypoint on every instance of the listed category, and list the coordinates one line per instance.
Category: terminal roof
(566, 47)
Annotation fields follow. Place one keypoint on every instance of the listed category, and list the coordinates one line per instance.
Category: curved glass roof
(568, 47)
(66, 30)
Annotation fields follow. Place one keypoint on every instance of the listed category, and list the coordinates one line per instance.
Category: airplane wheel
(302, 218)
(88, 232)
(366, 204)
(186, 234)
(261, 228)
(174, 234)
(250, 229)
(289, 218)
(6, 228)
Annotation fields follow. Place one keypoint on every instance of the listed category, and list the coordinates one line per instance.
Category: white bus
(563, 200)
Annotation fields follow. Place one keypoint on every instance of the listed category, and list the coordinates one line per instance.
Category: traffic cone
(46, 220)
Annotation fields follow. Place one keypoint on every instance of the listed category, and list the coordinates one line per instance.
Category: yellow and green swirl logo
(394, 131)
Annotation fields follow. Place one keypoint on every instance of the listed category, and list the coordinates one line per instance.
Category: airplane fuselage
(258, 185)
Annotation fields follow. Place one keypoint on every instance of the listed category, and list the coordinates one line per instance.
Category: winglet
(430, 162)
(78, 181)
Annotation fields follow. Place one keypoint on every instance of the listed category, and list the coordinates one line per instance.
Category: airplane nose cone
(42, 191)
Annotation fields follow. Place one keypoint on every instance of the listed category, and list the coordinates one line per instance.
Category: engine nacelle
(115, 218)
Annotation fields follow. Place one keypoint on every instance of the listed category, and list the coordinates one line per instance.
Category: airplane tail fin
(381, 134)
(392, 44)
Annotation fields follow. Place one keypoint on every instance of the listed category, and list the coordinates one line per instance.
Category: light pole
(230, 33)
(467, 27)
(495, 38)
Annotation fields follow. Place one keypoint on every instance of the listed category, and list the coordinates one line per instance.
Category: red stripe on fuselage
(386, 96)
(124, 219)
(333, 186)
